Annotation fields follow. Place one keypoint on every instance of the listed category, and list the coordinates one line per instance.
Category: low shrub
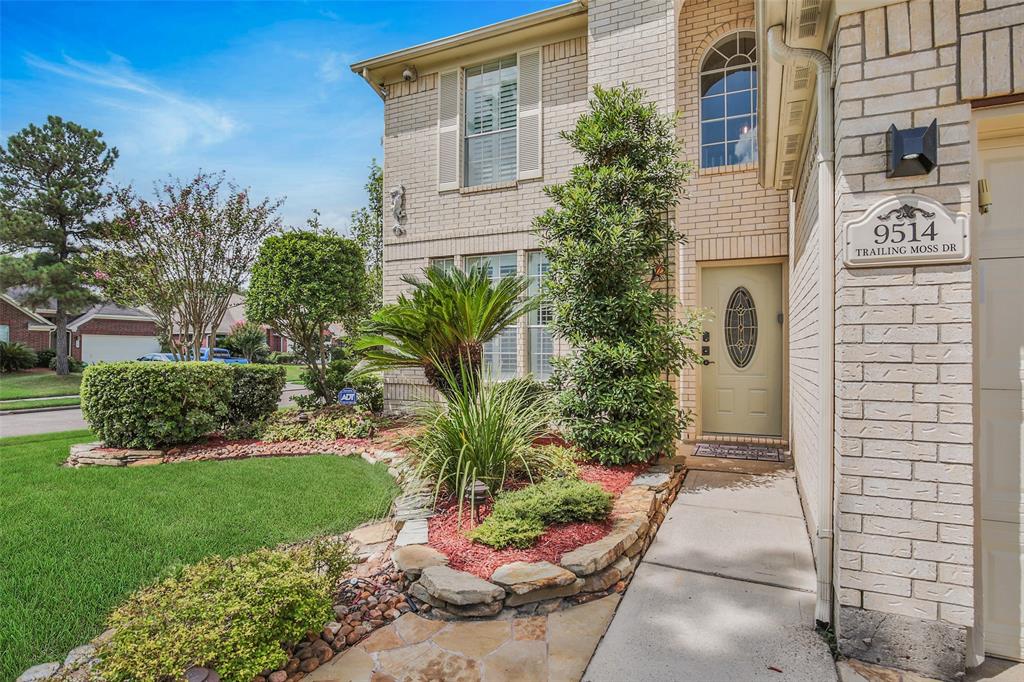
(517, 515)
(483, 432)
(255, 392)
(330, 423)
(73, 364)
(153, 404)
(16, 356)
(231, 615)
(43, 357)
(561, 461)
(280, 358)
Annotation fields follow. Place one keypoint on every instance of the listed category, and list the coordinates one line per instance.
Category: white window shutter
(448, 131)
(530, 151)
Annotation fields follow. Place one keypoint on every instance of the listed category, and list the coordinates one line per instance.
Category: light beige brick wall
(903, 335)
(992, 37)
(471, 221)
(726, 214)
(804, 338)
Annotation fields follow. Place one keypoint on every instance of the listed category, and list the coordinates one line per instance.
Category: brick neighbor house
(877, 254)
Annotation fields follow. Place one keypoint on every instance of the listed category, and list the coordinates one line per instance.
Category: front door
(999, 248)
(741, 382)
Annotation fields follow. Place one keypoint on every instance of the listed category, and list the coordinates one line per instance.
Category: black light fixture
(913, 151)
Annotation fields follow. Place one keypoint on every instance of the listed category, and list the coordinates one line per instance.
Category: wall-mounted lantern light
(913, 151)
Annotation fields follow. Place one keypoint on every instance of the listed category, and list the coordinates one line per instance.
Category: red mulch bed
(447, 537)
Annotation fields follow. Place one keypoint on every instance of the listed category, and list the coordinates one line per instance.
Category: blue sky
(261, 90)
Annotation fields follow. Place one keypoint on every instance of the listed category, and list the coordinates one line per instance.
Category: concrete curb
(31, 410)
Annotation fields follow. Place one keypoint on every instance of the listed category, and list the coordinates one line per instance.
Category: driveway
(30, 423)
(725, 592)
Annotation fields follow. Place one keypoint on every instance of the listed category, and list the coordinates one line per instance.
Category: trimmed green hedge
(255, 392)
(153, 404)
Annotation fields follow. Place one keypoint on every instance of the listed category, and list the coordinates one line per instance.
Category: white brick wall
(903, 352)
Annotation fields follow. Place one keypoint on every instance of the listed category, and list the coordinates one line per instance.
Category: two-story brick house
(889, 347)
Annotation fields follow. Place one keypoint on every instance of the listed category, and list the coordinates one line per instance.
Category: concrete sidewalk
(725, 592)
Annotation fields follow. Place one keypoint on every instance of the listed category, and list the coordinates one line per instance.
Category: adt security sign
(347, 396)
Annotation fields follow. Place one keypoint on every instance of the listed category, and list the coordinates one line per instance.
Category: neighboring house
(19, 324)
(882, 343)
(108, 333)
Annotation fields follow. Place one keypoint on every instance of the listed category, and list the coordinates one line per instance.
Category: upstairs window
(491, 117)
(728, 102)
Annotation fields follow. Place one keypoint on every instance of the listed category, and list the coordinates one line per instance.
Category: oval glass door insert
(740, 327)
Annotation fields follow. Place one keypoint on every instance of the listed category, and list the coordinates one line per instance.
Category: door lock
(705, 350)
(706, 337)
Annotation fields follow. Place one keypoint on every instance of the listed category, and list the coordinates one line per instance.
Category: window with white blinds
(491, 117)
(500, 353)
(541, 343)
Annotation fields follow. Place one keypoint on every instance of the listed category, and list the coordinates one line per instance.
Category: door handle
(708, 362)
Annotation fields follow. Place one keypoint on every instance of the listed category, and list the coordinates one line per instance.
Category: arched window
(728, 102)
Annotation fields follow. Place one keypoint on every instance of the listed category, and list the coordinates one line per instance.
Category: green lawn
(25, 404)
(75, 542)
(293, 372)
(37, 383)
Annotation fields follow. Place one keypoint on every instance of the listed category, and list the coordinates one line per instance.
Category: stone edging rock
(527, 588)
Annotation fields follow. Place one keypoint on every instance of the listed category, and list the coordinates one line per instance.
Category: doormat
(761, 453)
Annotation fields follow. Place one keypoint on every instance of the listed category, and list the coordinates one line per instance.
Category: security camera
(409, 73)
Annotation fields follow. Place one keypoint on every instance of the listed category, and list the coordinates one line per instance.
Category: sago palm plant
(443, 322)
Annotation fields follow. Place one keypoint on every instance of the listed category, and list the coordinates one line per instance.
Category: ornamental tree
(302, 283)
(249, 340)
(183, 254)
(52, 189)
(368, 231)
(610, 240)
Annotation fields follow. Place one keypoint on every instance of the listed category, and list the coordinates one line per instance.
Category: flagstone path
(551, 648)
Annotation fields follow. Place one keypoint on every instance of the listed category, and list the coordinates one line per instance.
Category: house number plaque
(906, 230)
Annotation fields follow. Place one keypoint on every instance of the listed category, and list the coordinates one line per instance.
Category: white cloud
(160, 118)
(334, 66)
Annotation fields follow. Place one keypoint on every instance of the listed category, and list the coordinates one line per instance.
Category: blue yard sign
(347, 396)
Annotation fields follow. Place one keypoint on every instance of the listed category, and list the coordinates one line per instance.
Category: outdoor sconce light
(913, 151)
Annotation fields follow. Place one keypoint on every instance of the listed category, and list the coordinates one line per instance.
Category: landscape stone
(373, 534)
(549, 593)
(521, 577)
(37, 673)
(414, 629)
(457, 587)
(596, 555)
(79, 655)
(414, 532)
(517, 661)
(475, 610)
(605, 578)
(472, 639)
(382, 639)
(635, 499)
(412, 559)
(654, 481)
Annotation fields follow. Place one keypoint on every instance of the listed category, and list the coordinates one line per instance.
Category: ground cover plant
(610, 244)
(329, 423)
(39, 383)
(231, 615)
(519, 517)
(74, 543)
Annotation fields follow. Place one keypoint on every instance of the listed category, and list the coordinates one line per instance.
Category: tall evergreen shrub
(610, 242)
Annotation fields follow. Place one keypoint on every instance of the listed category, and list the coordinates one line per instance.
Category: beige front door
(741, 384)
(999, 249)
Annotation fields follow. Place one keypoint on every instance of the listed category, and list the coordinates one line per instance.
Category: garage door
(111, 348)
(1000, 260)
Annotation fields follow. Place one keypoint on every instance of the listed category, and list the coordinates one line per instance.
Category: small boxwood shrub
(44, 356)
(154, 404)
(231, 615)
(519, 517)
(16, 356)
(283, 358)
(73, 364)
(255, 392)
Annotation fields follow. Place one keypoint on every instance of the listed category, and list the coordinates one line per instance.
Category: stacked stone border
(399, 572)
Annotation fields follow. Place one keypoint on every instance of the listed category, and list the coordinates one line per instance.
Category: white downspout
(826, 312)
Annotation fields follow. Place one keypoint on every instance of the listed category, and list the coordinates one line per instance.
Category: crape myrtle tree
(52, 190)
(184, 254)
(303, 282)
(609, 241)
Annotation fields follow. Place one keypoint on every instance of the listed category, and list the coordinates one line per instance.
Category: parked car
(221, 355)
(156, 357)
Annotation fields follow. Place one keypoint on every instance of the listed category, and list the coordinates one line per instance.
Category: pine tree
(610, 242)
(52, 190)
